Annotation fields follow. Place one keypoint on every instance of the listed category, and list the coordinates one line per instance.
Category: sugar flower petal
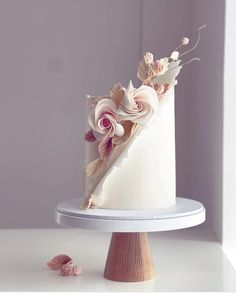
(139, 105)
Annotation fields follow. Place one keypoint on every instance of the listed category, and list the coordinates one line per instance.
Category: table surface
(185, 213)
(185, 260)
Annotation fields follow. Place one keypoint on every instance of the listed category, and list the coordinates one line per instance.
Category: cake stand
(129, 256)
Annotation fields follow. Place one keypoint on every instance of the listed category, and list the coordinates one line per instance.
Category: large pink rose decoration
(103, 120)
(138, 105)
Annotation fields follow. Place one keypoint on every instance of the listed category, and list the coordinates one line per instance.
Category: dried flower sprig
(161, 74)
(197, 42)
(184, 42)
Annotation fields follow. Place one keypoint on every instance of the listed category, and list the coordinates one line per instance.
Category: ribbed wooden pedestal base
(129, 258)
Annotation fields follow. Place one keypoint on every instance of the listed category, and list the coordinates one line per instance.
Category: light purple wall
(54, 52)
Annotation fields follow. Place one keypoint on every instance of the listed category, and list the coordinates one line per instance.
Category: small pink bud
(185, 41)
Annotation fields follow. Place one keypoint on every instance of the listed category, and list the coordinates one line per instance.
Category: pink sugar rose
(138, 105)
(103, 120)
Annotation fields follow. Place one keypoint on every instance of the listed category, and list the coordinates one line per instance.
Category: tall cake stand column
(129, 256)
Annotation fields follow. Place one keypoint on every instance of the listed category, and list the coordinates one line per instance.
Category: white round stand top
(186, 213)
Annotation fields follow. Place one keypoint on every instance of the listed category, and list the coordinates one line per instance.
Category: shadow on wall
(206, 125)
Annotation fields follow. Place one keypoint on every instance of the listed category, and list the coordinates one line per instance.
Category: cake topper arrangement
(116, 117)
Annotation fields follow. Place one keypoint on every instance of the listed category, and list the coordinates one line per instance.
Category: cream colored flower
(145, 68)
(175, 55)
(148, 57)
(139, 105)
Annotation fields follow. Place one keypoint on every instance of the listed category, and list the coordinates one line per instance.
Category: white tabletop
(189, 260)
(186, 213)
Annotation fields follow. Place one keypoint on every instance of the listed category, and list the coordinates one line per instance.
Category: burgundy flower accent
(89, 136)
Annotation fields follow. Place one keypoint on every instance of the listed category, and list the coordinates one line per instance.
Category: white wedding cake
(130, 149)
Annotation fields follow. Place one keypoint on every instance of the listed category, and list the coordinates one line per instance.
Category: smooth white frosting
(141, 172)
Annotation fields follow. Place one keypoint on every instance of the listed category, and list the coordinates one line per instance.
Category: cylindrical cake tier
(143, 174)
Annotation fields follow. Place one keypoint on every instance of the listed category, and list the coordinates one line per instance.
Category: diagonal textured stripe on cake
(140, 173)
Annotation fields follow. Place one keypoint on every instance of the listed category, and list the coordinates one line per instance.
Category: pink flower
(161, 89)
(138, 105)
(161, 66)
(103, 120)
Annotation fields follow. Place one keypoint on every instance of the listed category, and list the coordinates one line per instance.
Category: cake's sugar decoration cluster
(114, 118)
(65, 265)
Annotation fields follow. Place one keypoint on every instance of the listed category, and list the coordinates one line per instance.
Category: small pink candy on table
(58, 261)
(77, 270)
(71, 269)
